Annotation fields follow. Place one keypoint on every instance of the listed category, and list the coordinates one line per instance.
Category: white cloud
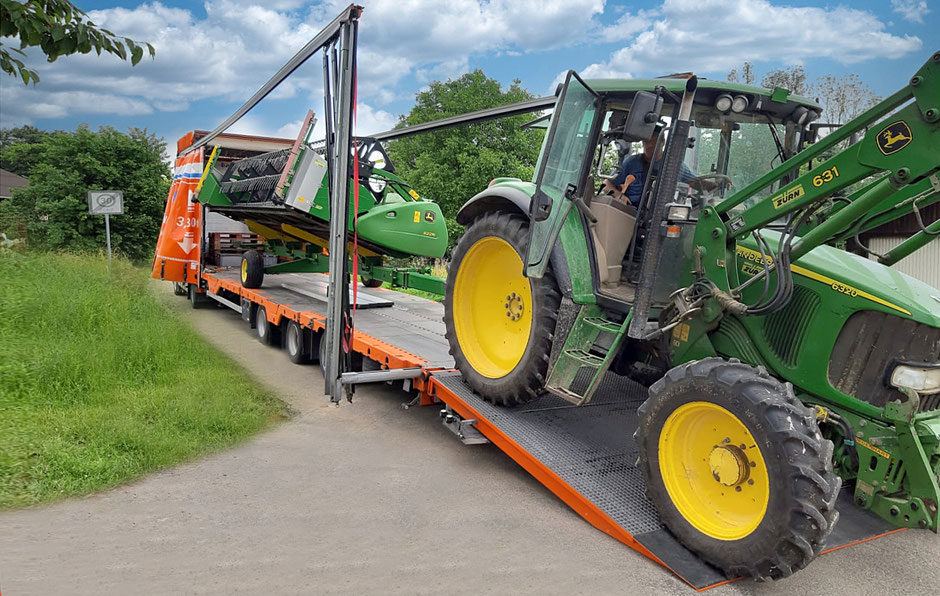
(911, 10)
(715, 35)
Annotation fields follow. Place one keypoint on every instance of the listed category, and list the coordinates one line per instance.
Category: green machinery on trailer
(780, 365)
(284, 197)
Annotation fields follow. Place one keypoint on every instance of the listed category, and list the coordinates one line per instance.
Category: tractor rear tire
(737, 468)
(500, 324)
(252, 270)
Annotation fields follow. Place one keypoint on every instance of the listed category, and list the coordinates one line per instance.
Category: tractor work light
(800, 116)
(739, 104)
(724, 102)
(920, 377)
(678, 212)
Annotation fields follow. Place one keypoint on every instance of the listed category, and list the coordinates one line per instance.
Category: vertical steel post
(107, 234)
(338, 299)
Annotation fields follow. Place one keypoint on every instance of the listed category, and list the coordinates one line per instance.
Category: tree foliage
(792, 78)
(20, 148)
(452, 165)
(68, 165)
(58, 28)
(842, 97)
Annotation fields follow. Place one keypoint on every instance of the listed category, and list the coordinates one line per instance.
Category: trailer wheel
(737, 468)
(371, 282)
(500, 324)
(249, 313)
(267, 332)
(297, 350)
(252, 270)
(180, 289)
(196, 299)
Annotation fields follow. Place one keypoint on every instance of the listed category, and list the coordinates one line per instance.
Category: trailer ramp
(587, 457)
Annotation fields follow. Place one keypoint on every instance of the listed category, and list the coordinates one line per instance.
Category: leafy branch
(58, 28)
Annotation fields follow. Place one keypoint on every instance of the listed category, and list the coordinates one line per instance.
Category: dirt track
(365, 498)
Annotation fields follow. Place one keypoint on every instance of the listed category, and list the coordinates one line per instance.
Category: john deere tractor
(779, 364)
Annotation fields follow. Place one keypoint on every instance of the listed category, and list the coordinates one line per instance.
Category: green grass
(99, 383)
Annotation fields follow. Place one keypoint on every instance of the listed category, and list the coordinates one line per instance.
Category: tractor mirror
(643, 116)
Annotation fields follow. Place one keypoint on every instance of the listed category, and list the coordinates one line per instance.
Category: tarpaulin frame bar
(330, 32)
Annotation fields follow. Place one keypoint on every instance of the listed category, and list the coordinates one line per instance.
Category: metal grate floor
(590, 447)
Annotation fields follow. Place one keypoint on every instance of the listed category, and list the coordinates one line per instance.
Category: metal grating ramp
(591, 449)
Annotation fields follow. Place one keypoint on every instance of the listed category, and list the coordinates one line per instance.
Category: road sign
(105, 202)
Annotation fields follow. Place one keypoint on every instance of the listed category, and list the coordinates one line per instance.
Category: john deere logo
(894, 137)
(429, 216)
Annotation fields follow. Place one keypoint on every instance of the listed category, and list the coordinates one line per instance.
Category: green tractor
(779, 364)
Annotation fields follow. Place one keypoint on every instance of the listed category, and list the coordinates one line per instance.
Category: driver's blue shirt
(634, 164)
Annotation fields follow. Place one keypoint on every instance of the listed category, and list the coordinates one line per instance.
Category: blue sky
(212, 56)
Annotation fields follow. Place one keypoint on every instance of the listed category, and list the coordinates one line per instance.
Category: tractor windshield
(737, 152)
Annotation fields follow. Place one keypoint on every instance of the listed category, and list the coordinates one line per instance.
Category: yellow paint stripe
(266, 232)
(205, 172)
(322, 242)
(871, 447)
(832, 283)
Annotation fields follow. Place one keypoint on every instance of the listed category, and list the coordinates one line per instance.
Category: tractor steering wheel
(720, 181)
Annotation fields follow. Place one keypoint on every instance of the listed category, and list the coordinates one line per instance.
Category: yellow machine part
(492, 307)
(713, 470)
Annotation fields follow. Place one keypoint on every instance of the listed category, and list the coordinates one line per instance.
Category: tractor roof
(709, 87)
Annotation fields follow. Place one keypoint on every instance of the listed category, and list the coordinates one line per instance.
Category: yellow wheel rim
(244, 270)
(713, 470)
(492, 307)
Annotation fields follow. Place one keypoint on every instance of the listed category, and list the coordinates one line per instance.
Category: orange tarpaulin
(177, 256)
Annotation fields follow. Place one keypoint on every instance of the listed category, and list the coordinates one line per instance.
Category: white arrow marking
(187, 244)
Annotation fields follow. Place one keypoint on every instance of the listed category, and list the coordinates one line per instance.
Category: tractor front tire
(500, 324)
(252, 269)
(737, 468)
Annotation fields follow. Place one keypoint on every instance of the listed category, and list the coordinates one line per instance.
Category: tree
(844, 98)
(20, 148)
(68, 165)
(746, 76)
(452, 165)
(58, 28)
(792, 78)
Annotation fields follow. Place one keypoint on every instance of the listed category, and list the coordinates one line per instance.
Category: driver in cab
(628, 183)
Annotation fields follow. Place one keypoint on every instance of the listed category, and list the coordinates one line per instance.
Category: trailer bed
(585, 455)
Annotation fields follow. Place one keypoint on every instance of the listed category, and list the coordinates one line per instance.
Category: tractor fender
(514, 200)
(492, 199)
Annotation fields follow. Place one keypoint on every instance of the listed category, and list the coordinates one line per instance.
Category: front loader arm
(901, 147)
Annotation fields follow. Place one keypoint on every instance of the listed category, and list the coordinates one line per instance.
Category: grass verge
(99, 384)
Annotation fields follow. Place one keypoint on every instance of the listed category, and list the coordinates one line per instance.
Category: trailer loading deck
(584, 455)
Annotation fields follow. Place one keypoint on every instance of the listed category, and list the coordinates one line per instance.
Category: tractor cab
(737, 133)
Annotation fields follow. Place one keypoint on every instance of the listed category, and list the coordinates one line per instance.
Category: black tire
(196, 299)
(180, 288)
(249, 313)
(267, 332)
(800, 508)
(252, 269)
(371, 282)
(526, 379)
(296, 344)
